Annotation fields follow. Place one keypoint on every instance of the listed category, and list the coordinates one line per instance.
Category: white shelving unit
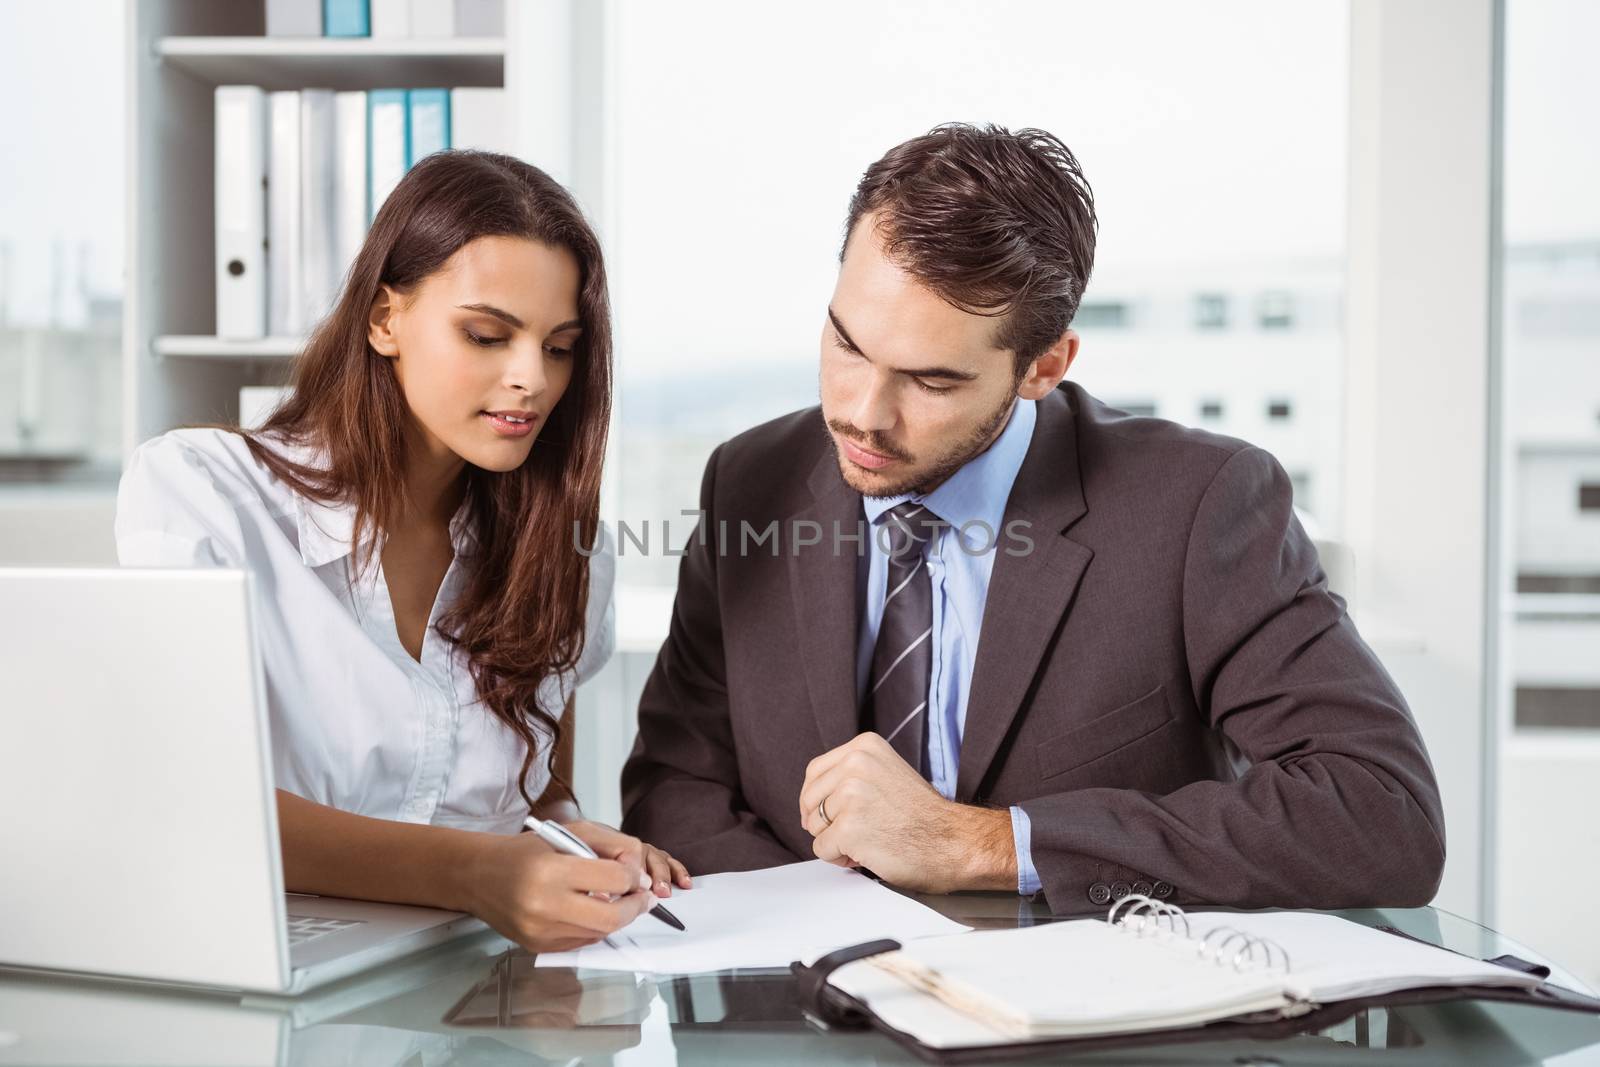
(175, 370)
(338, 63)
(209, 347)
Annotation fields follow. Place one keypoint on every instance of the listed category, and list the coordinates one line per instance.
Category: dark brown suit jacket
(1164, 683)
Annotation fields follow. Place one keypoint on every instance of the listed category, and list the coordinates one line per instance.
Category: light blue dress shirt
(973, 502)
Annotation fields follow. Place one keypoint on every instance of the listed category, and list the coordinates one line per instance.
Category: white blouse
(356, 723)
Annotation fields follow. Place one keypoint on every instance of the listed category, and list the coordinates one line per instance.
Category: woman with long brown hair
(421, 515)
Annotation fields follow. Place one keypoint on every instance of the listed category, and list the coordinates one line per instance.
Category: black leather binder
(831, 1008)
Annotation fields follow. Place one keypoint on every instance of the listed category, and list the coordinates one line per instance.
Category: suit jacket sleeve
(1338, 807)
(680, 785)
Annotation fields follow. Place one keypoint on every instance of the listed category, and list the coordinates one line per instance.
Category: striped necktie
(897, 698)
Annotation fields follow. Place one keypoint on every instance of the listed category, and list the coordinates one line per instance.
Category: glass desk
(480, 1001)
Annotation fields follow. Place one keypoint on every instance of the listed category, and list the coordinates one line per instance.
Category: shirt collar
(325, 528)
(978, 491)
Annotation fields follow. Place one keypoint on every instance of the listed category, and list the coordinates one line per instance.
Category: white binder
(285, 254)
(241, 211)
(350, 213)
(480, 18)
(294, 18)
(318, 205)
(433, 18)
(478, 119)
(391, 18)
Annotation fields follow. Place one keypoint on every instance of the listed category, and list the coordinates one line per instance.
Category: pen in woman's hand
(561, 839)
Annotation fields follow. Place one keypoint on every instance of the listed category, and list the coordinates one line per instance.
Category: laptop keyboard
(303, 928)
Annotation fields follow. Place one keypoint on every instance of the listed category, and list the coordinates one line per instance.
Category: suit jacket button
(1161, 890)
(1099, 893)
(1142, 889)
(1119, 890)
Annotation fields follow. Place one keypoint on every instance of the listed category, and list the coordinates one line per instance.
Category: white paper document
(760, 919)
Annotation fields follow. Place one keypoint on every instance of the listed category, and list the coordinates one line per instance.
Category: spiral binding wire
(1147, 917)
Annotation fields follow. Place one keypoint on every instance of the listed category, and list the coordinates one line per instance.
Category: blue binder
(388, 143)
(430, 122)
(346, 18)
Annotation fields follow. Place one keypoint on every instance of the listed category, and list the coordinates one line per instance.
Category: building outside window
(1211, 311)
(1275, 311)
(1548, 721)
(61, 241)
(1101, 315)
(686, 385)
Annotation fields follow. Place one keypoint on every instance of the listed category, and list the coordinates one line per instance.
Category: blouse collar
(325, 529)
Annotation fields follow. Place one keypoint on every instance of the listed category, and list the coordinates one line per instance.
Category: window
(1137, 407)
(1548, 476)
(1211, 311)
(1278, 410)
(765, 234)
(1275, 311)
(61, 246)
(1550, 299)
(1211, 410)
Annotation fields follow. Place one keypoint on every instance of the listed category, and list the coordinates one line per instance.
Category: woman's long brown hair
(520, 618)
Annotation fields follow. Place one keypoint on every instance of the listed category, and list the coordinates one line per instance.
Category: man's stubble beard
(929, 480)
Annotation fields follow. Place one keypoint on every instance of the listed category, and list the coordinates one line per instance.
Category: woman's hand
(664, 871)
(541, 899)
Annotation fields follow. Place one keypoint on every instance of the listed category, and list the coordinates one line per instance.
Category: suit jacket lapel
(1029, 592)
(822, 578)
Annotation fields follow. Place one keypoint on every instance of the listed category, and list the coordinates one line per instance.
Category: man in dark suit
(969, 628)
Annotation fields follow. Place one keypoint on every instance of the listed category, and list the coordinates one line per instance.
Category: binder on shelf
(318, 205)
(240, 182)
(346, 18)
(285, 250)
(350, 195)
(480, 18)
(294, 18)
(478, 119)
(1148, 974)
(388, 144)
(433, 18)
(430, 122)
(391, 18)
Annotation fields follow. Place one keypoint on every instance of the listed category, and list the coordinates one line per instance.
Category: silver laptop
(138, 821)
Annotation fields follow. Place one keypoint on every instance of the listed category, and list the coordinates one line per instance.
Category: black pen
(561, 839)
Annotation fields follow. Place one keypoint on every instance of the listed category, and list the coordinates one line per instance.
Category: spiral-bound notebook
(1150, 968)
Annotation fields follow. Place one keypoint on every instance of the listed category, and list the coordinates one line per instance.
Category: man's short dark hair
(994, 222)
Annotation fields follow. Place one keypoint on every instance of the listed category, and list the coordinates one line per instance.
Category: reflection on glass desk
(481, 1001)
